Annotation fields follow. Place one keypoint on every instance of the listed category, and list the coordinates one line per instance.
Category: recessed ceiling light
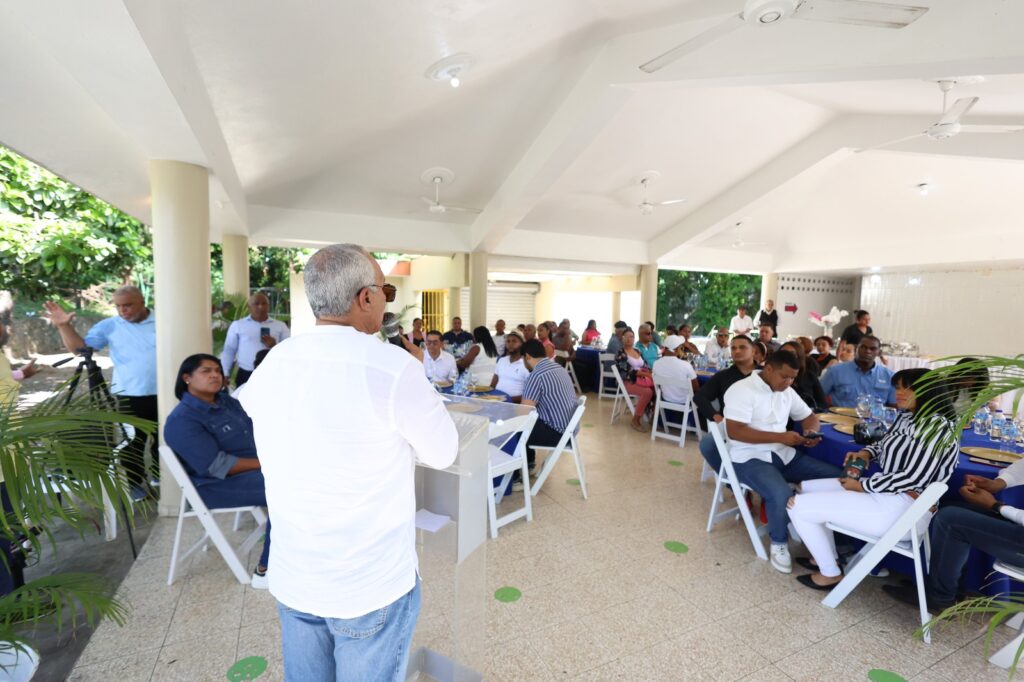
(450, 69)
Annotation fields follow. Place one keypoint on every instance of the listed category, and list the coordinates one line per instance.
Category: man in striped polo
(550, 389)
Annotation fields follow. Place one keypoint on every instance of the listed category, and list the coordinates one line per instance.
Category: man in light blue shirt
(844, 382)
(250, 335)
(131, 337)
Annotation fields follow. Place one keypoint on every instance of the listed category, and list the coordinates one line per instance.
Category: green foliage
(71, 444)
(997, 610)
(707, 299)
(269, 268)
(58, 239)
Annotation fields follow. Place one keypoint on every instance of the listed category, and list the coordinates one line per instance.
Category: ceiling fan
(737, 241)
(768, 12)
(438, 177)
(646, 206)
(949, 124)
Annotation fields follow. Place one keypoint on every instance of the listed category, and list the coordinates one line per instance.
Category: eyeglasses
(389, 290)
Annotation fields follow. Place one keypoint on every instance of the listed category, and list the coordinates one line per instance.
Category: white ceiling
(316, 122)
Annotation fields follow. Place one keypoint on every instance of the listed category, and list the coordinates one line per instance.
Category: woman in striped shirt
(918, 451)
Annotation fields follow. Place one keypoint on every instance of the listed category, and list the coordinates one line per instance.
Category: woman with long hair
(481, 358)
(590, 334)
(922, 447)
(806, 383)
(213, 437)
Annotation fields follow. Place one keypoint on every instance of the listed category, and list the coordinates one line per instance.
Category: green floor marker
(676, 547)
(878, 675)
(572, 481)
(675, 463)
(588, 426)
(247, 669)
(507, 594)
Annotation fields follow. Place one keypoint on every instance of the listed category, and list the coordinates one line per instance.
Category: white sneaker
(781, 561)
(259, 582)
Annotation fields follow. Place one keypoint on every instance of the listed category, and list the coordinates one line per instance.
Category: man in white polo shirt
(250, 335)
(340, 421)
(741, 323)
(756, 412)
(675, 368)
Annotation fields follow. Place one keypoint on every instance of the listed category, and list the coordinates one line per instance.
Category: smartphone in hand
(812, 435)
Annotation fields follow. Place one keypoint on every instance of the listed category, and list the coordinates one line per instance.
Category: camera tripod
(100, 396)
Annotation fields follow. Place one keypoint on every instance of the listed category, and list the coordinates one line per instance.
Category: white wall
(811, 293)
(949, 313)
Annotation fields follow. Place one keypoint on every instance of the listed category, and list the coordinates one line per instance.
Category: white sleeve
(421, 418)
(227, 356)
(1013, 474)
(739, 405)
(798, 409)
(688, 371)
(1013, 514)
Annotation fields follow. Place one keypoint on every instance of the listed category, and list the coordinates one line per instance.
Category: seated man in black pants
(550, 389)
(991, 526)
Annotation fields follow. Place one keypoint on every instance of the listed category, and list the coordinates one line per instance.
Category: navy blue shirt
(209, 438)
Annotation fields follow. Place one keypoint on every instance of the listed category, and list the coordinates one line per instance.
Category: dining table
(978, 575)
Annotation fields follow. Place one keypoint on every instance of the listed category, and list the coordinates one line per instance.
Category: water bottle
(981, 421)
(1010, 434)
(997, 425)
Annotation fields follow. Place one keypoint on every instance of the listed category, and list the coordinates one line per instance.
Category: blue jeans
(240, 490)
(771, 481)
(954, 530)
(372, 647)
(709, 451)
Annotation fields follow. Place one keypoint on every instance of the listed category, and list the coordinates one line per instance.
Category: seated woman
(636, 376)
(416, 336)
(544, 336)
(824, 358)
(481, 358)
(967, 384)
(806, 383)
(590, 334)
(760, 354)
(212, 436)
(919, 450)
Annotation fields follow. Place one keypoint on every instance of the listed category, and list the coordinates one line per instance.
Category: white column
(454, 306)
(770, 290)
(616, 309)
(181, 264)
(649, 292)
(477, 290)
(235, 250)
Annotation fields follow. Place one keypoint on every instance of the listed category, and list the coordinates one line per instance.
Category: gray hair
(129, 290)
(334, 275)
(644, 326)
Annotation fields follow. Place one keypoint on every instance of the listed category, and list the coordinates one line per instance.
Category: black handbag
(866, 433)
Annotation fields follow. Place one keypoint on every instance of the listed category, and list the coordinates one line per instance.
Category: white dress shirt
(715, 353)
(244, 341)
(675, 368)
(753, 402)
(340, 421)
(741, 325)
(442, 369)
(511, 376)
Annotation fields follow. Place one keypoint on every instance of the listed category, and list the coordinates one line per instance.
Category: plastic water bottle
(981, 421)
(1010, 434)
(997, 425)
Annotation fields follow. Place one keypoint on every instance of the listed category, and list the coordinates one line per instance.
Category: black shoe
(806, 562)
(908, 595)
(808, 581)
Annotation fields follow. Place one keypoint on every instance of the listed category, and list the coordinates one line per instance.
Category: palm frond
(82, 596)
(997, 609)
(58, 462)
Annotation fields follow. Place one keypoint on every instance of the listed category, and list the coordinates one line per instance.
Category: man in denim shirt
(844, 382)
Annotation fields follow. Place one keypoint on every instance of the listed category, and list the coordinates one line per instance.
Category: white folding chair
(727, 477)
(623, 399)
(1004, 657)
(661, 406)
(192, 505)
(572, 375)
(607, 361)
(567, 442)
(892, 541)
(504, 465)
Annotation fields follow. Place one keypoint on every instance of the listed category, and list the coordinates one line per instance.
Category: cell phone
(812, 435)
(855, 467)
(264, 331)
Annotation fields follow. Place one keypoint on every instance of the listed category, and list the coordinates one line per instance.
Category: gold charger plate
(444, 384)
(844, 428)
(705, 373)
(493, 398)
(481, 389)
(846, 411)
(838, 419)
(463, 407)
(991, 454)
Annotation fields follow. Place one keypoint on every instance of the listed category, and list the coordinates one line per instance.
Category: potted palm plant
(57, 465)
(1006, 375)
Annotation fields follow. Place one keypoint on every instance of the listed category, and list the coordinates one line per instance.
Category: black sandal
(808, 581)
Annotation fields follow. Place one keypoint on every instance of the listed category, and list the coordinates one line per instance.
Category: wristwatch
(997, 507)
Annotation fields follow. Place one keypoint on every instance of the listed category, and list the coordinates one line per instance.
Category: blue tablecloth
(588, 368)
(448, 391)
(978, 573)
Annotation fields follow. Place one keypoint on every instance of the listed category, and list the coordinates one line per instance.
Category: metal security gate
(434, 304)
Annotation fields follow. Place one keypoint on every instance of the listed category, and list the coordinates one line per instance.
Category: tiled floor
(602, 598)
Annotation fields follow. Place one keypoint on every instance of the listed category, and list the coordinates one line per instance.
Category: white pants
(825, 500)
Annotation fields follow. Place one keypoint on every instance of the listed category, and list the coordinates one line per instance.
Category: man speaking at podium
(340, 421)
